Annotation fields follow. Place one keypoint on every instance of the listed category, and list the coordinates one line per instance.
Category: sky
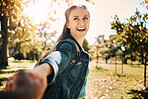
(102, 13)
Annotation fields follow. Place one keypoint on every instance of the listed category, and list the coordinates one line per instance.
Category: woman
(63, 55)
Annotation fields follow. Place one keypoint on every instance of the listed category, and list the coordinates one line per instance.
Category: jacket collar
(71, 37)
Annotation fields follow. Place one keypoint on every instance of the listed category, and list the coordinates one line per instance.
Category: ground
(104, 81)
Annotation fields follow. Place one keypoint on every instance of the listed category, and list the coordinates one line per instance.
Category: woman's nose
(81, 23)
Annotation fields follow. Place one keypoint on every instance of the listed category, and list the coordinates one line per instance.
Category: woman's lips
(81, 29)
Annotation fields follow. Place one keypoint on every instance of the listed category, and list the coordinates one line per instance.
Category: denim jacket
(65, 55)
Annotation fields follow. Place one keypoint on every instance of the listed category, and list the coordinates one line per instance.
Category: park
(117, 63)
(102, 83)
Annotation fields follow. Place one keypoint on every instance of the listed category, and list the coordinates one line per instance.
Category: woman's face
(78, 22)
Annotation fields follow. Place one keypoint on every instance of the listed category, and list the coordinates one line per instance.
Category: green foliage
(101, 47)
(85, 45)
(132, 36)
(106, 48)
(117, 25)
(33, 55)
(19, 56)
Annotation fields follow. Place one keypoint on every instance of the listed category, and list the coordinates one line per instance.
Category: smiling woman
(37, 11)
(66, 59)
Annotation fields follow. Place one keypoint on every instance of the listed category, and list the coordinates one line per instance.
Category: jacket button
(73, 61)
(79, 63)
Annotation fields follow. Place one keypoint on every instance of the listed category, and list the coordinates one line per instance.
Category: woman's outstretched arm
(33, 81)
(43, 70)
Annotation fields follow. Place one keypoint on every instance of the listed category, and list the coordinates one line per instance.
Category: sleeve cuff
(55, 68)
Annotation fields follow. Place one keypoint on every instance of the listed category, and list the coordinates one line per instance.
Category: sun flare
(37, 11)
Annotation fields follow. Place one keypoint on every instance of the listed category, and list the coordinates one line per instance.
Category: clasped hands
(28, 84)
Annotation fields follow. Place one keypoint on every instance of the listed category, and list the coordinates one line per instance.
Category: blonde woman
(65, 54)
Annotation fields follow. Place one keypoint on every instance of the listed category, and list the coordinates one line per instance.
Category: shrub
(19, 56)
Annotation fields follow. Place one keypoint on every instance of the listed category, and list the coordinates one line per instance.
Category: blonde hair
(66, 30)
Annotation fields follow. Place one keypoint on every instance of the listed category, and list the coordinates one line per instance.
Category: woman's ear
(67, 25)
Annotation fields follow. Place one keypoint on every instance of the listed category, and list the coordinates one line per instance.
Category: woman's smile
(81, 29)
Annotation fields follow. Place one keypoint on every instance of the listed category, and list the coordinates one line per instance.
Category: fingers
(27, 81)
(18, 80)
(10, 85)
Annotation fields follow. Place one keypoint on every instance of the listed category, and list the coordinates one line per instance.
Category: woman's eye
(75, 18)
(85, 18)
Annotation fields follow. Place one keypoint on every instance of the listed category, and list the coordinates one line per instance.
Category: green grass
(100, 68)
(13, 67)
(104, 83)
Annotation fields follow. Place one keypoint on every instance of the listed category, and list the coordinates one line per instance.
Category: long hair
(66, 30)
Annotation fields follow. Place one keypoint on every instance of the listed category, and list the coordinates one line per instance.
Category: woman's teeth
(81, 29)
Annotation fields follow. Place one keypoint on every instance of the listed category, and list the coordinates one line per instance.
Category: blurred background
(117, 41)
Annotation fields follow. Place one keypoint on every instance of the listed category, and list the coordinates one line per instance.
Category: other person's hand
(28, 83)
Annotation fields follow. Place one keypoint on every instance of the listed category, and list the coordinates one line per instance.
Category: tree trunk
(124, 60)
(116, 66)
(145, 70)
(132, 59)
(97, 57)
(3, 52)
(142, 58)
(122, 65)
(106, 60)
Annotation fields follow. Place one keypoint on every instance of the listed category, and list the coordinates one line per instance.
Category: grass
(100, 68)
(103, 82)
(13, 67)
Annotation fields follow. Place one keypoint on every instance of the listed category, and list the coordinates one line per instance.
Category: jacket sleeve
(60, 58)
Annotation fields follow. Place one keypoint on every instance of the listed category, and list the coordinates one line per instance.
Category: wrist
(43, 68)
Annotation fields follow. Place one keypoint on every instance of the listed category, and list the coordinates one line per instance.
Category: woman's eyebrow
(78, 16)
(75, 16)
(85, 15)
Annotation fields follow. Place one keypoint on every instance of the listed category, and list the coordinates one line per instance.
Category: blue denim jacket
(65, 55)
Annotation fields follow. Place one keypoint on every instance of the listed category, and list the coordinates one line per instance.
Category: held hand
(10, 83)
(28, 83)
(42, 79)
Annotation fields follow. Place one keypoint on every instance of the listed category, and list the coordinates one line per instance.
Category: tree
(120, 38)
(17, 27)
(17, 30)
(141, 37)
(85, 45)
(134, 36)
(101, 48)
(9, 10)
(145, 2)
